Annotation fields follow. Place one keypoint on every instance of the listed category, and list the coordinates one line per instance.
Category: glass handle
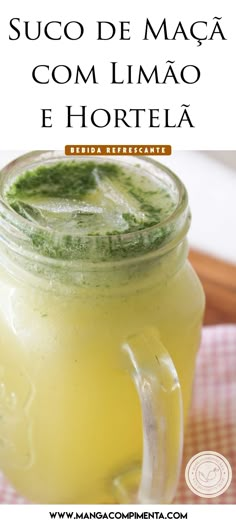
(159, 391)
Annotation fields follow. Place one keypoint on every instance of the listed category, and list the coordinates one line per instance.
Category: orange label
(118, 150)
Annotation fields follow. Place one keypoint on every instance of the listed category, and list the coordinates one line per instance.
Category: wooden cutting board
(219, 281)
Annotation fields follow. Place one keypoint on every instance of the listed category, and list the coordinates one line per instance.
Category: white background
(38, 515)
(212, 99)
(211, 184)
(210, 178)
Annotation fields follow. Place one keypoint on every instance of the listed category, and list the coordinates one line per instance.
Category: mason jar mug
(98, 339)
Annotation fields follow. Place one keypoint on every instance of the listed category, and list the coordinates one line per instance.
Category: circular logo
(208, 474)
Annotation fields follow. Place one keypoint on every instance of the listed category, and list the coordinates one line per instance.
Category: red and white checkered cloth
(212, 421)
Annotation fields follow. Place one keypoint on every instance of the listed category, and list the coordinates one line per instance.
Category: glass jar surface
(71, 415)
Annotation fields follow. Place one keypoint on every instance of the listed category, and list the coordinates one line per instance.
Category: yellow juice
(71, 418)
(70, 415)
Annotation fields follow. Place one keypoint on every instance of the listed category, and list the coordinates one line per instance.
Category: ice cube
(115, 197)
(59, 205)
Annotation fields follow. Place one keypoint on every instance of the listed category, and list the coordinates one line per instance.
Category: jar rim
(18, 227)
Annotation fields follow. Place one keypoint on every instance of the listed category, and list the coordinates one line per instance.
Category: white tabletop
(210, 178)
